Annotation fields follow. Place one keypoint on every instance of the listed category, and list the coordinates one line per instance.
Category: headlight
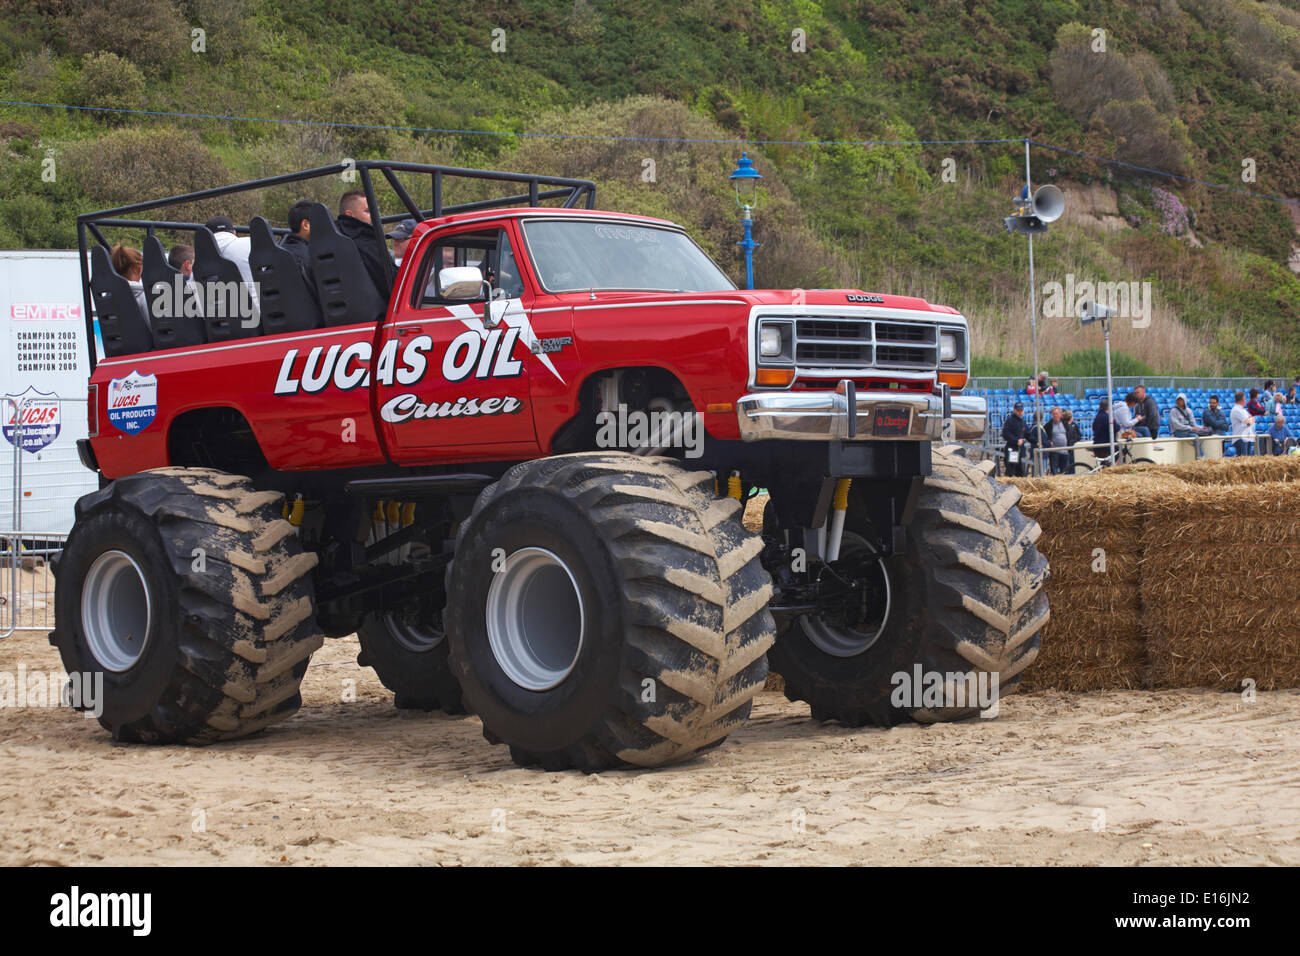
(769, 343)
(947, 347)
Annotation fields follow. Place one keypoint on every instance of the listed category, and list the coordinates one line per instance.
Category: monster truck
(519, 479)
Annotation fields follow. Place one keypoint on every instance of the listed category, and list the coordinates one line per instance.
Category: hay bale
(1218, 587)
(1224, 471)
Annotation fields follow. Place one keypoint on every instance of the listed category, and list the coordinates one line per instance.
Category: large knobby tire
(409, 654)
(965, 598)
(190, 593)
(605, 609)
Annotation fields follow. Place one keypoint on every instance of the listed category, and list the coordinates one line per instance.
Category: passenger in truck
(181, 258)
(354, 222)
(295, 242)
(129, 264)
(233, 247)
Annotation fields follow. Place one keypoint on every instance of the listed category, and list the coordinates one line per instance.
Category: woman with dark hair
(129, 264)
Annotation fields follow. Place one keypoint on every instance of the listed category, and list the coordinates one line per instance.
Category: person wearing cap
(400, 236)
(1014, 433)
(235, 248)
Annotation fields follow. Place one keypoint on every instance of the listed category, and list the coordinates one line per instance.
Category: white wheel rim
(116, 611)
(535, 619)
(842, 641)
(416, 638)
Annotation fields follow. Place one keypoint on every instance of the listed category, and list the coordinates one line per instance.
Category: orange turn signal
(774, 376)
(954, 380)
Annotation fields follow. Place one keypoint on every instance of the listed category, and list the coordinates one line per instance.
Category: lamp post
(745, 178)
(1034, 210)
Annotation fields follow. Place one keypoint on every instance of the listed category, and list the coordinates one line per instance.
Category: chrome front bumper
(826, 415)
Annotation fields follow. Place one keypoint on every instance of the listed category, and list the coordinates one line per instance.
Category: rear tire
(189, 593)
(965, 598)
(605, 609)
(409, 654)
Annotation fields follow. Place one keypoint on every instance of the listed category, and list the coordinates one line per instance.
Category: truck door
(444, 379)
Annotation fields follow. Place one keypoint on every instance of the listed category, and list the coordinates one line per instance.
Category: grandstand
(1085, 404)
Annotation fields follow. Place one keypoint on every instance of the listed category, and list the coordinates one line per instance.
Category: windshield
(575, 255)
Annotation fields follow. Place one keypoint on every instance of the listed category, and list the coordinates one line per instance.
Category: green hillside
(1193, 87)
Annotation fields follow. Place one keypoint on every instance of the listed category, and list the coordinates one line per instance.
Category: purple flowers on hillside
(1172, 212)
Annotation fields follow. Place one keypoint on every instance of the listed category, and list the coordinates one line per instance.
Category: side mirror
(461, 282)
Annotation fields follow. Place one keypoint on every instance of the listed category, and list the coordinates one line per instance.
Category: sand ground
(1125, 778)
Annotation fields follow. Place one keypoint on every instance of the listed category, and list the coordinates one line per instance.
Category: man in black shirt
(354, 222)
(1014, 434)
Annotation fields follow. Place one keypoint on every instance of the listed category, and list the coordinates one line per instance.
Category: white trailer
(44, 368)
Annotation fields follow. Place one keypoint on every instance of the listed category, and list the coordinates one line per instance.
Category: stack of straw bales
(1198, 584)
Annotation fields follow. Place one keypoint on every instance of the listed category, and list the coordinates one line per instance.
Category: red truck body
(431, 385)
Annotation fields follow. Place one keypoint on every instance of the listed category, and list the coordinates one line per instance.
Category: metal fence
(40, 486)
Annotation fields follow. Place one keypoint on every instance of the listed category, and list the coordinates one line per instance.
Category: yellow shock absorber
(841, 507)
(733, 486)
(296, 512)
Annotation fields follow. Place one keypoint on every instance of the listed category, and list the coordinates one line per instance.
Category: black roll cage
(571, 192)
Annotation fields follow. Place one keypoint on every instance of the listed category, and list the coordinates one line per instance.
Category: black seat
(172, 328)
(217, 276)
(122, 325)
(347, 294)
(288, 302)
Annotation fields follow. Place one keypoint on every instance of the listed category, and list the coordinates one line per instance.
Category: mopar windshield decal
(32, 419)
(132, 402)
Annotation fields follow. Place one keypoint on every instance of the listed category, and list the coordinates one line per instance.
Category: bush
(110, 81)
(134, 165)
(369, 99)
(150, 29)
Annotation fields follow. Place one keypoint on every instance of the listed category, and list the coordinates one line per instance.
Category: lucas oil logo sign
(31, 420)
(132, 402)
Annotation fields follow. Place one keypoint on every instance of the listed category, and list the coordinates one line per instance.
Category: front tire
(965, 600)
(189, 593)
(605, 609)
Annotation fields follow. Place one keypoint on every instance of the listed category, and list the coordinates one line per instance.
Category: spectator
(1101, 430)
(1127, 424)
(236, 249)
(1243, 426)
(354, 222)
(1283, 438)
(1148, 411)
(182, 257)
(401, 235)
(1014, 433)
(1256, 406)
(295, 243)
(1073, 435)
(1055, 437)
(1214, 419)
(129, 263)
(1182, 422)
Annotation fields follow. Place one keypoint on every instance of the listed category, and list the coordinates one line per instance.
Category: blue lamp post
(746, 179)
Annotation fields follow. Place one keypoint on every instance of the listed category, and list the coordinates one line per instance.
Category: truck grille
(839, 342)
